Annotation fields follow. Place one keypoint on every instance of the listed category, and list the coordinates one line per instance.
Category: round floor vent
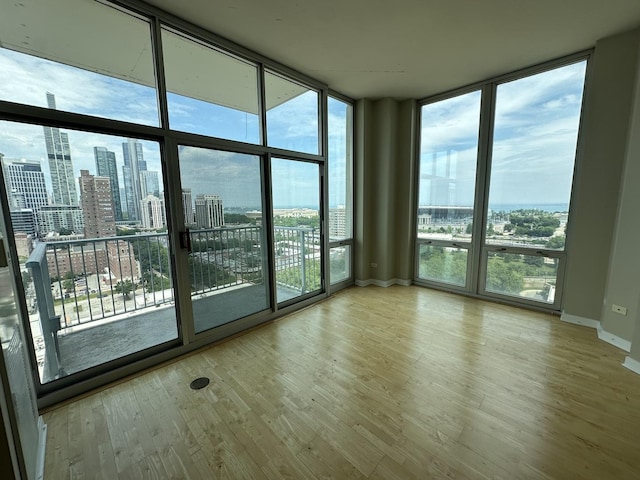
(199, 383)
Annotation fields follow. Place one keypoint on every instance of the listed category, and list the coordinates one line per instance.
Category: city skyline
(90, 93)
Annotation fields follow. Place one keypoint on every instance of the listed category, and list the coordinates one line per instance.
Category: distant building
(106, 167)
(60, 218)
(97, 204)
(152, 211)
(134, 163)
(187, 208)
(338, 222)
(149, 183)
(23, 221)
(209, 211)
(60, 165)
(435, 214)
(26, 187)
(24, 244)
(295, 212)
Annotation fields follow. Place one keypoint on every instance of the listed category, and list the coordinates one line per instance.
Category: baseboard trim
(577, 320)
(383, 283)
(614, 340)
(632, 364)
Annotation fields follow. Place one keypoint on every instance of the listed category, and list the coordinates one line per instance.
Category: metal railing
(224, 257)
(81, 281)
(297, 258)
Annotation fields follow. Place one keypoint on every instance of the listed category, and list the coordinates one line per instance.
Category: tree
(238, 219)
(533, 260)
(503, 278)
(125, 288)
(556, 243)
(153, 283)
(532, 223)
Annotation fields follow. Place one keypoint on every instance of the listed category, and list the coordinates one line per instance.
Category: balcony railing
(87, 283)
(79, 282)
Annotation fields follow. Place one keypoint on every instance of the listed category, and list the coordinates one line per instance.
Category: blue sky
(534, 145)
(291, 125)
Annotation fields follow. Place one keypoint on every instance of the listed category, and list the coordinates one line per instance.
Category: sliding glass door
(167, 196)
(96, 263)
(223, 212)
(496, 170)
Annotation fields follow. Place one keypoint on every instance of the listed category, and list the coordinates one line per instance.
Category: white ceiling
(408, 48)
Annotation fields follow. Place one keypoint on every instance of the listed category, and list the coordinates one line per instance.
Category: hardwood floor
(395, 383)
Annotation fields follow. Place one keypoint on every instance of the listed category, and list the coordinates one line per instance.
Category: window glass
(443, 264)
(534, 146)
(340, 262)
(448, 158)
(103, 286)
(222, 208)
(103, 69)
(340, 155)
(296, 228)
(532, 277)
(210, 92)
(292, 115)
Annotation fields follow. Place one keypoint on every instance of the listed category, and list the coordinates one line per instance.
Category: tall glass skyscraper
(133, 164)
(106, 167)
(63, 182)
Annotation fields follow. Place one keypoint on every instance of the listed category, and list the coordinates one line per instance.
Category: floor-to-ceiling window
(496, 168)
(340, 160)
(165, 187)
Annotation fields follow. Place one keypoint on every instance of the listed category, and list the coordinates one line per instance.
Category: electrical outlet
(618, 309)
(374, 265)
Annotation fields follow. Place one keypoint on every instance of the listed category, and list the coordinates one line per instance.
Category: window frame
(479, 249)
(169, 140)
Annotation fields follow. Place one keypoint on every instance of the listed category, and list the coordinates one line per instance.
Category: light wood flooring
(395, 383)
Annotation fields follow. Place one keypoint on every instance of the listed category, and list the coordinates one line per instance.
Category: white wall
(623, 280)
(604, 139)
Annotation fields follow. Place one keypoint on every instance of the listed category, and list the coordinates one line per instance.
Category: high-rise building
(106, 167)
(24, 221)
(133, 164)
(149, 183)
(26, 187)
(187, 208)
(209, 211)
(61, 219)
(60, 166)
(338, 222)
(152, 210)
(97, 204)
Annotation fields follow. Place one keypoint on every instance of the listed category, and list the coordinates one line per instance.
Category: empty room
(263, 240)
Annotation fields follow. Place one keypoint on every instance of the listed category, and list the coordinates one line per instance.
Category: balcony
(95, 300)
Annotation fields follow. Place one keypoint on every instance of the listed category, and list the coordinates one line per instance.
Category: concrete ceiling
(408, 48)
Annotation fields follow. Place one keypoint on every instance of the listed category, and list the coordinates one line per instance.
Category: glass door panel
(448, 159)
(95, 264)
(296, 228)
(222, 199)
